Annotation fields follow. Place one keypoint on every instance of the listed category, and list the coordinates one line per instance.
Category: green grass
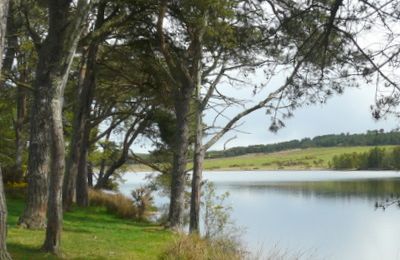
(299, 159)
(89, 234)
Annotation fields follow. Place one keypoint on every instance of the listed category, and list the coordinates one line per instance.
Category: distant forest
(370, 138)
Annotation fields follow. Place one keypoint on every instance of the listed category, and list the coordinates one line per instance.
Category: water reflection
(331, 214)
(371, 189)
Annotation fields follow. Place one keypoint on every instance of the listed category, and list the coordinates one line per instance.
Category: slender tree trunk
(76, 180)
(19, 134)
(4, 255)
(86, 99)
(62, 40)
(90, 174)
(82, 187)
(54, 213)
(130, 136)
(198, 159)
(102, 182)
(69, 187)
(103, 161)
(3, 220)
(13, 26)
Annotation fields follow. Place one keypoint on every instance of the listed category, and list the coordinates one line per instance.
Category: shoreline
(273, 170)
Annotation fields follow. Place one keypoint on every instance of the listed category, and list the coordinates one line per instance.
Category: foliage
(143, 201)
(195, 248)
(376, 158)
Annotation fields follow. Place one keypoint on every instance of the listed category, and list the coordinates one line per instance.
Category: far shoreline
(133, 170)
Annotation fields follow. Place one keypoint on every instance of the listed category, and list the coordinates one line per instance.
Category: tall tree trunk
(54, 213)
(69, 187)
(86, 99)
(4, 255)
(13, 25)
(62, 40)
(19, 134)
(198, 159)
(82, 186)
(103, 161)
(34, 215)
(177, 202)
(3, 218)
(76, 183)
(90, 174)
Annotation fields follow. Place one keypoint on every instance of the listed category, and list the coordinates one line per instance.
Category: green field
(89, 234)
(299, 159)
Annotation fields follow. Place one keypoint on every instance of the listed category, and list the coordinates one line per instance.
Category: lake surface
(310, 215)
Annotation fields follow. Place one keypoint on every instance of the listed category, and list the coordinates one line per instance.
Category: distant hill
(370, 138)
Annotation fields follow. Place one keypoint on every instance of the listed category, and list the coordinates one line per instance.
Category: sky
(346, 113)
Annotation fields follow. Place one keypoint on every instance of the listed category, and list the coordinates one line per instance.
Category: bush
(143, 201)
(16, 189)
(195, 248)
(117, 204)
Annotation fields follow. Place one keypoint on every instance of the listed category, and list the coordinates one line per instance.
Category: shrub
(195, 248)
(117, 204)
(143, 201)
(16, 189)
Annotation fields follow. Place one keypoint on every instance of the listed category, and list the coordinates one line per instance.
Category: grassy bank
(89, 234)
(299, 159)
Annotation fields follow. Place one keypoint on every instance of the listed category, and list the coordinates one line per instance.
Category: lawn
(89, 234)
(299, 159)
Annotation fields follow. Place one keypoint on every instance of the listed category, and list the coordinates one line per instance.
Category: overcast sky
(349, 112)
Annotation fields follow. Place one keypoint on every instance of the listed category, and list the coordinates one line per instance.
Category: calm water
(314, 215)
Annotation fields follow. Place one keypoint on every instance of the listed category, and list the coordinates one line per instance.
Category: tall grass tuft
(143, 201)
(117, 204)
(192, 247)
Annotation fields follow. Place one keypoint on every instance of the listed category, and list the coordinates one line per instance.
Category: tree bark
(34, 215)
(82, 186)
(13, 26)
(81, 130)
(54, 213)
(4, 255)
(86, 100)
(177, 202)
(19, 134)
(62, 40)
(90, 174)
(198, 159)
(69, 187)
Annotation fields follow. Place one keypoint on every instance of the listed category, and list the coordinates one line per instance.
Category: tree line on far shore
(375, 159)
(370, 138)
